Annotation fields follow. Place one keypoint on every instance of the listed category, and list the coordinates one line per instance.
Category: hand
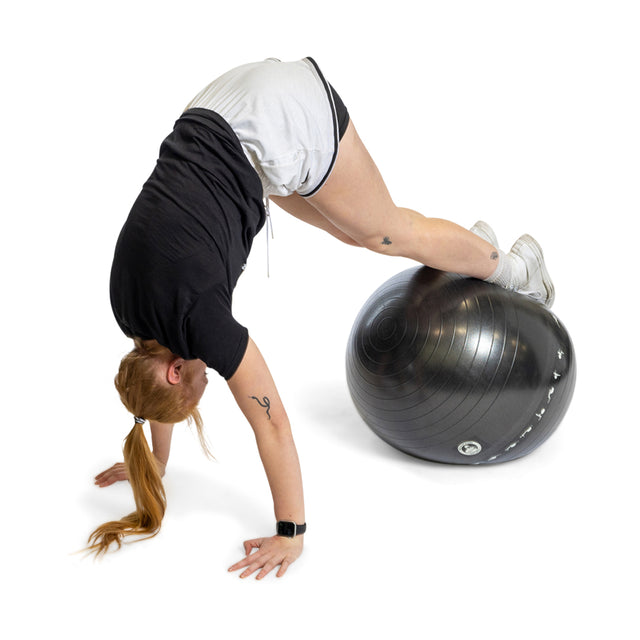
(118, 472)
(270, 553)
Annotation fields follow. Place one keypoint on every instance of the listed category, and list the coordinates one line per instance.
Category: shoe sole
(531, 244)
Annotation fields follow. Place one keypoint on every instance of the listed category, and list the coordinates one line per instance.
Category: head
(155, 384)
(159, 386)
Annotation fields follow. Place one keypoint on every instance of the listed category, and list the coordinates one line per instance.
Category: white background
(524, 114)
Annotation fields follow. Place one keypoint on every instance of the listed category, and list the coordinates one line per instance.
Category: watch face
(287, 529)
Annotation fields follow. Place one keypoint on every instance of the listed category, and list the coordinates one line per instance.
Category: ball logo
(470, 448)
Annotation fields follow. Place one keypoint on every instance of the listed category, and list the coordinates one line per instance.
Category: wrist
(290, 529)
(162, 466)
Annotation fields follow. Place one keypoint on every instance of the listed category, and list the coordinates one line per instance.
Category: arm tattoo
(386, 240)
(494, 255)
(266, 403)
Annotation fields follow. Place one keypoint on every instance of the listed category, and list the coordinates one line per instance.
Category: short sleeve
(214, 335)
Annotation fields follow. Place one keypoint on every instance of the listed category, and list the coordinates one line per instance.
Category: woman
(265, 130)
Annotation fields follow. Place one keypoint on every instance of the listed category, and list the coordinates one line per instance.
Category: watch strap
(288, 529)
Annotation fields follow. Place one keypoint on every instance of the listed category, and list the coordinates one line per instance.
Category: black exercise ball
(455, 370)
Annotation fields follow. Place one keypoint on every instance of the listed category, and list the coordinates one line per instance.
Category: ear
(175, 370)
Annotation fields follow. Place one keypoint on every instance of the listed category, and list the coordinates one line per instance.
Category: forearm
(257, 396)
(161, 440)
(281, 464)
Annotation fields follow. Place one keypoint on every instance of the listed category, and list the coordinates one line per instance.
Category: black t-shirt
(186, 242)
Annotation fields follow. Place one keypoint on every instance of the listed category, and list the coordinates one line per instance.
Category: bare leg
(355, 199)
(300, 208)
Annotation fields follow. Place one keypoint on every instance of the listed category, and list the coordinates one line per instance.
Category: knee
(350, 241)
(395, 233)
(343, 237)
(381, 230)
(380, 243)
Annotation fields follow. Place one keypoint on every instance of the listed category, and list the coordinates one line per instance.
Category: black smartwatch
(288, 529)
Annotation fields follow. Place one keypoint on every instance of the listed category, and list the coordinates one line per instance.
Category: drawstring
(269, 227)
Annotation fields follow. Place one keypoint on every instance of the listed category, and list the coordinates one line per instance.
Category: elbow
(277, 428)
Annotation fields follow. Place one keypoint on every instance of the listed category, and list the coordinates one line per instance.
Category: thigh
(355, 198)
(300, 208)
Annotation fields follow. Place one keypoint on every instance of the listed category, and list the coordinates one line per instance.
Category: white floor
(522, 114)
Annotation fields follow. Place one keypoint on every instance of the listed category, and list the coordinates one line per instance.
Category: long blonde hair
(140, 392)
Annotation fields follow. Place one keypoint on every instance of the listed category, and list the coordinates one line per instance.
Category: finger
(241, 564)
(117, 465)
(236, 566)
(252, 568)
(249, 545)
(109, 477)
(116, 468)
(269, 566)
(283, 568)
(246, 561)
(104, 479)
(105, 482)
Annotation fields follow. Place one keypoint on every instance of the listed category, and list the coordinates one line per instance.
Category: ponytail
(148, 493)
(142, 395)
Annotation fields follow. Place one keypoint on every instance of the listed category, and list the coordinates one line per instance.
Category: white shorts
(284, 115)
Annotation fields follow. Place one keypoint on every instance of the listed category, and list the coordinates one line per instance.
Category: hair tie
(139, 420)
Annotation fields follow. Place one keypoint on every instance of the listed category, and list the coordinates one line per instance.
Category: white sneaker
(532, 278)
(483, 230)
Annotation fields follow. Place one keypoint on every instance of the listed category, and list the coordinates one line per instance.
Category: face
(196, 376)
